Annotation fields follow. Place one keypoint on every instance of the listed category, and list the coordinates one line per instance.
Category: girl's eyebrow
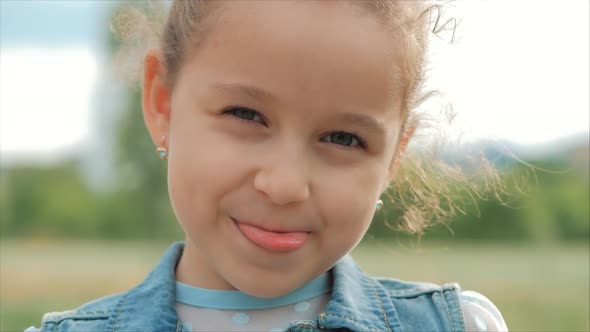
(248, 90)
(365, 121)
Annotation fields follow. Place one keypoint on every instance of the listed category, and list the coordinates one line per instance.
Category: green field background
(537, 288)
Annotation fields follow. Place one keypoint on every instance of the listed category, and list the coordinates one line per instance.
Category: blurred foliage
(552, 206)
(54, 201)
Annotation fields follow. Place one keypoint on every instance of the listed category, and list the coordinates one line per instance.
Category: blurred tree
(554, 208)
(47, 201)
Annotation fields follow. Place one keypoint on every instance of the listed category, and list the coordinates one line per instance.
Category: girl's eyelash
(361, 143)
(250, 116)
(245, 114)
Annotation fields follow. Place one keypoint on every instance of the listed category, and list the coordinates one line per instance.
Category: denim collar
(150, 305)
(358, 301)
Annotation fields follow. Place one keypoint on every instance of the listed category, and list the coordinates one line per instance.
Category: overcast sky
(518, 71)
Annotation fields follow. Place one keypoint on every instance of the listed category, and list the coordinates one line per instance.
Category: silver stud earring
(379, 205)
(162, 150)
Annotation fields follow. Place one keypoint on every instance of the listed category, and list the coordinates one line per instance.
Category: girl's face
(284, 119)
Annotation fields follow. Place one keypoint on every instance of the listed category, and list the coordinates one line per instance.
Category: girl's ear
(400, 151)
(156, 96)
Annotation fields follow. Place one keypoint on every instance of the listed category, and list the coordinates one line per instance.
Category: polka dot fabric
(480, 314)
(271, 319)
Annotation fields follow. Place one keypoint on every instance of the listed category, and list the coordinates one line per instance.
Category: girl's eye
(338, 137)
(244, 114)
(345, 139)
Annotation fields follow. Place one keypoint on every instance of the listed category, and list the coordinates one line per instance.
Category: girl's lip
(272, 240)
(265, 228)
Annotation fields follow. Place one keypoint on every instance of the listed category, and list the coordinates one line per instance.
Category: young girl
(282, 123)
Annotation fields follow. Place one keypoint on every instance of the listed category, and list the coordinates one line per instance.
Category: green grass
(536, 288)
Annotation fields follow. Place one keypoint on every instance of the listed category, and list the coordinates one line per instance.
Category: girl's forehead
(321, 54)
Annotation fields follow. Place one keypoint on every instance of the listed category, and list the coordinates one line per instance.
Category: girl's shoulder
(93, 315)
(478, 312)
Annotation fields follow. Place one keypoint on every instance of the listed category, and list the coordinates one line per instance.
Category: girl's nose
(284, 181)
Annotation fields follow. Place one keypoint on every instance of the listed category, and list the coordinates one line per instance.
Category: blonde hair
(426, 190)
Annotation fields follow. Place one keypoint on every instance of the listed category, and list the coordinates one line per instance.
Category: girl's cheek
(348, 195)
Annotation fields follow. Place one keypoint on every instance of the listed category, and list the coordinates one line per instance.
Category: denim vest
(358, 303)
